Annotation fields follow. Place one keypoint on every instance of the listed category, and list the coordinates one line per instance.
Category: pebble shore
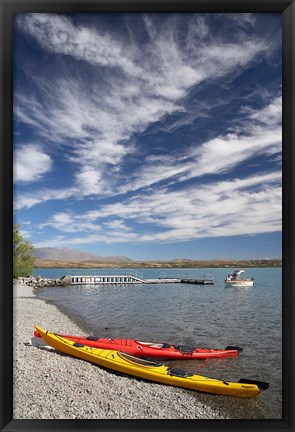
(50, 385)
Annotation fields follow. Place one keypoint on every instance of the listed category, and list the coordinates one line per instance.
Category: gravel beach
(49, 385)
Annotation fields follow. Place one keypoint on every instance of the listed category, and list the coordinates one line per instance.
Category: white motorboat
(235, 279)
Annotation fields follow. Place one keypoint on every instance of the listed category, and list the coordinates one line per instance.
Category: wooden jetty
(208, 280)
(198, 281)
(162, 280)
(102, 279)
(114, 279)
(126, 279)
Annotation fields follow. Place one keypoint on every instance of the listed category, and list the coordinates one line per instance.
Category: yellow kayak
(151, 370)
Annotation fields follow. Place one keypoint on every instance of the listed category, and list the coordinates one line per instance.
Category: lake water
(211, 316)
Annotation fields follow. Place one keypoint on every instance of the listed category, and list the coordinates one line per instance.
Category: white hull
(241, 283)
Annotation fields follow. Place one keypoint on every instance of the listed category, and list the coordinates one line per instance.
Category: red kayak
(153, 350)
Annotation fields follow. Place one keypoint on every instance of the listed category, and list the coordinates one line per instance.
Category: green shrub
(22, 254)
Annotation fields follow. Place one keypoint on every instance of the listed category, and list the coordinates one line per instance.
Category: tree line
(23, 258)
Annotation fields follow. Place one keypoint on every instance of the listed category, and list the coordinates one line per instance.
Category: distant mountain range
(75, 258)
(73, 255)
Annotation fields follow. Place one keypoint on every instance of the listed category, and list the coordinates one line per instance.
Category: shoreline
(49, 385)
(160, 265)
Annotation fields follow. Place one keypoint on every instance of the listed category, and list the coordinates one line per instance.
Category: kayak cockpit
(137, 360)
(153, 345)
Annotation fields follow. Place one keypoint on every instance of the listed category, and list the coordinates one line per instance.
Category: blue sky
(153, 136)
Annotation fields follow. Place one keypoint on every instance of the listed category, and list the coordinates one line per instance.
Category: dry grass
(181, 263)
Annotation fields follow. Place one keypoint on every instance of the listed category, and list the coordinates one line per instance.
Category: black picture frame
(8, 9)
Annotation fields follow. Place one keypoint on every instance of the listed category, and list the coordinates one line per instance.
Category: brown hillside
(181, 263)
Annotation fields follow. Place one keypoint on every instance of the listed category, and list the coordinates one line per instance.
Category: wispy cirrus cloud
(257, 133)
(31, 163)
(269, 116)
(155, 129)
(243, 20)
(145, 83)
(226, 208)
(69, 224)
(28, 200)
